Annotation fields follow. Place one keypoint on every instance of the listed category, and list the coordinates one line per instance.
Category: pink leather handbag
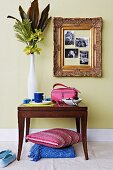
(57, 94)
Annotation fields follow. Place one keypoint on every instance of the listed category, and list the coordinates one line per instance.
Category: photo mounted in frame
(77, 47)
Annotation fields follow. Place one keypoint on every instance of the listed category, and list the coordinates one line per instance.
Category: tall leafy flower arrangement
(29, 29)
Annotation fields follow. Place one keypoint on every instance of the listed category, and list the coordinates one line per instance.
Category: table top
(26, 107)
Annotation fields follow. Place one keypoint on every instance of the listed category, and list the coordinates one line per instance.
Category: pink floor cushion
(56, 138)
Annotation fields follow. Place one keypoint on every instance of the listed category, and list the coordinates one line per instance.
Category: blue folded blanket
(39, 151)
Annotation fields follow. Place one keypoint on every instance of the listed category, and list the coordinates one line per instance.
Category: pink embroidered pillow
(56, 138)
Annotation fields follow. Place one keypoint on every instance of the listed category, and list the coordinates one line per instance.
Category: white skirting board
(92, 134)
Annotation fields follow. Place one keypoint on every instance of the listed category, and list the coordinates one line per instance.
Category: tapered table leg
(27, 127)
(84, 134)
(78, 124)
(21, 122)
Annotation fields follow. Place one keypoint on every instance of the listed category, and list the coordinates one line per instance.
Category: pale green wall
(97, 93)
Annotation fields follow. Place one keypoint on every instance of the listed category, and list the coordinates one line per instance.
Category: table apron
(52, 114)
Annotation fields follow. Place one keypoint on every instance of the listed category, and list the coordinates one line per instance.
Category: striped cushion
(56, 138)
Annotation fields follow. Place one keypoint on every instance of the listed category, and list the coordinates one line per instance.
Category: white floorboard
(92, 134)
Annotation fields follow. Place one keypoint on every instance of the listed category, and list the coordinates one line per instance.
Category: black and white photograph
(69, 37)
(81, 42)
(71, 53)
(84, 57)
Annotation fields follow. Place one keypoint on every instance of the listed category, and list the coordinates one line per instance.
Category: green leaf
(36, 37)
(32, 49)
(20, 38)
(23, 30)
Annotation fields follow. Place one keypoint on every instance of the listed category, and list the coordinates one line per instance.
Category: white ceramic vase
(32, 81)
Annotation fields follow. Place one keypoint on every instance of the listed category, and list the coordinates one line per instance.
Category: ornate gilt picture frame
(77, 47)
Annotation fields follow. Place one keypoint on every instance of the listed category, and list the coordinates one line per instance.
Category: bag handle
(59, 84)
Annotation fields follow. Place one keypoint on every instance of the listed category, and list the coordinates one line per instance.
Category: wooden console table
(78, 112)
